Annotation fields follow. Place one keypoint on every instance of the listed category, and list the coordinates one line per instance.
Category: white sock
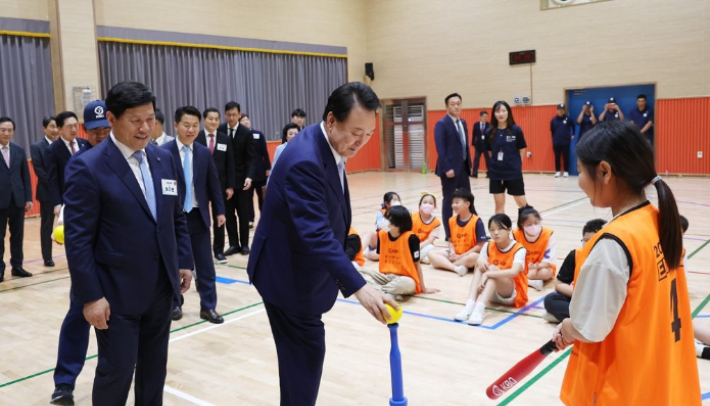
(480, 307)
(470, 305)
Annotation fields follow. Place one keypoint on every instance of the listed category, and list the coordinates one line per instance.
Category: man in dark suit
(15, 199)
(262, 168)
(198, 186)
(128, 248)
(298, 262)
(244, 153)
(58, 154)
(453, 165)
(74, 333)
(221, 147)
(46, 208)
(478, 141)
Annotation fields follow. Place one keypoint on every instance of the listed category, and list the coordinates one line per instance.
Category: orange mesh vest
(463, 238)
(359, 257)
(421, 229)
(504, 260)
(536, 250)
(395, 257)
(648, 358)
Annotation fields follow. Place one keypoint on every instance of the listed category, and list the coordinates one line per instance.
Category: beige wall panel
(420, 47)
(323, 22)
(28, 9)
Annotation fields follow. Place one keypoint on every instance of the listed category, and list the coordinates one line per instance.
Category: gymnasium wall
(27, 9)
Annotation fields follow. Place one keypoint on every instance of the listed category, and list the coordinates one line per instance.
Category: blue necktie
(187, 170)
(147, 182)
(462, 137)
(341, 167)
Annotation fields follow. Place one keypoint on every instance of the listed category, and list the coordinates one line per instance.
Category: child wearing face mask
(467, 236)
(499, 276)
(398, 249)
(541, 247)
(426, 226)
(390, 199)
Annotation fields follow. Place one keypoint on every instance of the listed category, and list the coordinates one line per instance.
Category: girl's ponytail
(670, 232)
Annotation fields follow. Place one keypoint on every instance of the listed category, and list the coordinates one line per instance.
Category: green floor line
(34, 284)
(96, 355)
(487, 308)
(692, 254)
(234, 266)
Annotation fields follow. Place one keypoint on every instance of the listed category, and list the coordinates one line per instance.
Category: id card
(256, 136)
(500, 156)
(169, 187)
(221, 147)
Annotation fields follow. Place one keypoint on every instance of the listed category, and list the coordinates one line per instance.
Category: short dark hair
(425, 195)
(209, 110)
(641, 96)
(63, 116)
(483, 113)
(684, 223)
(160, 116)
(47, 120)
(5, 119)
(399, 217)
(245, 115)
(298, 113)
(232, 105)
(344, 98)
(388, 198)
(465, 194)
(593, 226)
(501, 220)
(287, 127)
(187, 111)
(526, 212)
(452, 95)
(126, 95)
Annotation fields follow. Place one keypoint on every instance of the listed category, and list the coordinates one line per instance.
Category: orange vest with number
(359, 257)
(504, 260)
(421, 229)
(396, 258)
(648, 358)
(463, 238)
(536, 249)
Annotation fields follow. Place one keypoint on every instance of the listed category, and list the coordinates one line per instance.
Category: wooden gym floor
(444, 362)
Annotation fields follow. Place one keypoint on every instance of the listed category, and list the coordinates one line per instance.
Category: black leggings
(557, 305)
(564, 151)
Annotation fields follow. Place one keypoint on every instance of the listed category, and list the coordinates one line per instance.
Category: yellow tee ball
(395, 314)
(59, 234)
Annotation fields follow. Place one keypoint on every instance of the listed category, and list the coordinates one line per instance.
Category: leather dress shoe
(211, 315)
(20, 272)
(49, 263)
(231, 251)
(177, 313)
(221, 259)
(2, 275)
(245, 250)
(63, 395)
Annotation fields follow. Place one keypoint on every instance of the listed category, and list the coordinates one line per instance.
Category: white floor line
(561, 209)
(172, 340)
(187, 397)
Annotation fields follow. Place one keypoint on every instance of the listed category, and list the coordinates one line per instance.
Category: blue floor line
(516, 314)
(702, 316)
(228, 281)
(705, 396)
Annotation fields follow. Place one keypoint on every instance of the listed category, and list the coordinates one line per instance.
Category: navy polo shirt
(562, 129)
(585, 126)
(641, 118)
(506, 163)
(611, 116)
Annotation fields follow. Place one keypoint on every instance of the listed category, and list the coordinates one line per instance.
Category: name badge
(221, 147)
(645, 114)
(500, 156)
(256, 136)
(169, 187)
(565, 122)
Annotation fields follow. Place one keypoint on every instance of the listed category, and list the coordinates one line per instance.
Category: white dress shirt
(229, 130)
(69, 144)
(164, 139)
(49, 141)
(336, 156)
(132, 162)
(181, 146)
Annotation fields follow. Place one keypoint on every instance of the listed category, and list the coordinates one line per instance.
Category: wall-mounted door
(404, 141)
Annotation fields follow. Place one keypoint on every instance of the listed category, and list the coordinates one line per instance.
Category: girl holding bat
(630, 318)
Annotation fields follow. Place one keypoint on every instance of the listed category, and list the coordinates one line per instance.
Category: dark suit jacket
(204, 177)
(15, 182)
(449, 148)
(478, 139)
(115, 248)
(37, 151)
(262, 162)
(223, 159)
(298, 259)
(55, 161)
(244, 153)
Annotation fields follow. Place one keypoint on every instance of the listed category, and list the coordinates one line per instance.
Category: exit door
(404, 134)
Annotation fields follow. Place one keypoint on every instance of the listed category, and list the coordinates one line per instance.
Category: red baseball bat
(519, 371)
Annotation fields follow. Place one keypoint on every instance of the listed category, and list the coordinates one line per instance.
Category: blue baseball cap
(587, 103)
(561, 106)
(95, 115)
